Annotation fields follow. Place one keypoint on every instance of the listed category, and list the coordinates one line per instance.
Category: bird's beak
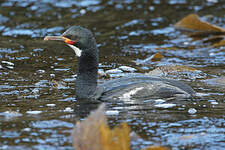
(60, 38)
(67, 41)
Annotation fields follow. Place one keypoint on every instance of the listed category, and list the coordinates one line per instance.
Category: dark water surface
(38, 107)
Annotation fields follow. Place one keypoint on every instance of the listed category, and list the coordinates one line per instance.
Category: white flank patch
(76, 50)
(130, 93)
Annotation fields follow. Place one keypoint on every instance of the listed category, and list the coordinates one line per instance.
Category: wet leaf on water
(192, 22)
(156, 57)
(202, 29)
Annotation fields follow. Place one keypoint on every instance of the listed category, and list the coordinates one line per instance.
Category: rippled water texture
(38, 107)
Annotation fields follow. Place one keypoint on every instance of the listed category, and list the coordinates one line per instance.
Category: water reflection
(83, 107)
(38, 106)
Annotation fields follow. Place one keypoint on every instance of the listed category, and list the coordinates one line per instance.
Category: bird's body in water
(82, 41)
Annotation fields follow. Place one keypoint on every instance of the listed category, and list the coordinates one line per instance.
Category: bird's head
(80, 39)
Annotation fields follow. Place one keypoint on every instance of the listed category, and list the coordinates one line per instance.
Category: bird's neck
(87, 75)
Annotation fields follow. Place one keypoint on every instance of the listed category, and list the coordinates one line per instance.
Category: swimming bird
(82, 41)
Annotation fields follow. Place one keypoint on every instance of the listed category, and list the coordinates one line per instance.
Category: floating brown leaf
(156, 57)
(192, 22)
(211, 33)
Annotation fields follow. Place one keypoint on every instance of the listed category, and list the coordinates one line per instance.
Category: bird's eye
(68, 36)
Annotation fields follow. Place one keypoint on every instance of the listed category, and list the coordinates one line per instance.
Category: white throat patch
(76, 50)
